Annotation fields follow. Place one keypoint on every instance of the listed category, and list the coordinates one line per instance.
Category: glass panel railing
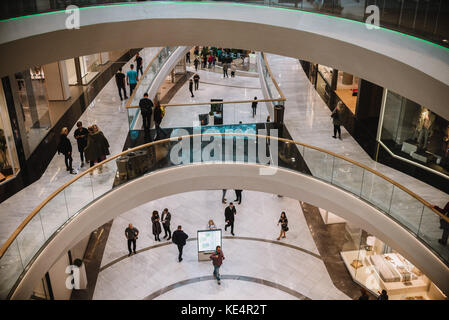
(145, 83)
(425, 19)
(222, 143)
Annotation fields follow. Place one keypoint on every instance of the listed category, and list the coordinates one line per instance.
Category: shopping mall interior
(309, 144)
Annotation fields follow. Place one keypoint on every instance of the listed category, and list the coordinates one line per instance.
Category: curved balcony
(424, 19)
(216, 157)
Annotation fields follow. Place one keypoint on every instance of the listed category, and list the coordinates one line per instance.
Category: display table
(368, 276)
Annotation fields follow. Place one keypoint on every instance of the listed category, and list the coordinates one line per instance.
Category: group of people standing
(92, 146)
(149, 109)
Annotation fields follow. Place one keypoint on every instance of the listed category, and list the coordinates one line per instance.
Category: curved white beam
(409, 66)
(208, 176)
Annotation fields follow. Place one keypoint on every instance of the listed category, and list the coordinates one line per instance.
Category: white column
(56, 80)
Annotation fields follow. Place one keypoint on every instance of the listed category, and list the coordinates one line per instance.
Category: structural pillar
(57, 81)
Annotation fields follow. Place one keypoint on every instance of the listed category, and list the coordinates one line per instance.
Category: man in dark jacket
(166, 217)
(196, 80)
(120, 80)
(146, 110)
(179, 238)
(65, 147)
(229, 217)
(81, 135)
(254, 106)
(191, 87)
(217, 260)
(131, 234)
(443, 223)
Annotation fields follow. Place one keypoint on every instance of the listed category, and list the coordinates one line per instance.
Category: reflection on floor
(256, 217)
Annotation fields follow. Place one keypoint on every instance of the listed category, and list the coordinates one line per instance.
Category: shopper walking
(191, 87)
(196, 62)
(81, 135)
(238, 195)
(217, 260)
(196, 80)
(383, 295)
(179, 238)
(225, 70)
(131, 234)
(230, 212)
(443, 223)
(120, 81)
(65, 147)
(284, 225)
(166, 218)
(139, 64)
(336, 120)
(131, 79)
(223, 199)
(146, 110)
(254, 107)
(158, 116)
(155, 220)
(188, 57)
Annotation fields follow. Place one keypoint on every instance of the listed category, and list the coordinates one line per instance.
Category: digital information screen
(208, 240)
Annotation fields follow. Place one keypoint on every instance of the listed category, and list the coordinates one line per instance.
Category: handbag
(286, 228)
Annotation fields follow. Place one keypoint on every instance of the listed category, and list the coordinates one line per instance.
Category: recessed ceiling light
(445, 40)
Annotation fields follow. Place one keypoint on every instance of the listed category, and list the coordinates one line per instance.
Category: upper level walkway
(308, 120)
(416, 69)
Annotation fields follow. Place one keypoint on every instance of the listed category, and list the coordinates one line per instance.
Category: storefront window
(376, 267)
(32, 95)
(415, 133)
(347, 89)
(9, 163)
(326, 72)
(89, 67)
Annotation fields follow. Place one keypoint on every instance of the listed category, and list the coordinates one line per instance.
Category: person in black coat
(230, 212)
(146, 110)
(155, 220)
(179, 238)
(254, 106)
(191, 87)
(166, 217)
(65, 147)
(81, 135)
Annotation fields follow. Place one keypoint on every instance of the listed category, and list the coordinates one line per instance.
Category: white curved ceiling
(411, 67)
(213, 176)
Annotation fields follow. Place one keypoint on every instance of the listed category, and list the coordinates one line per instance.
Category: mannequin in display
(423, 129)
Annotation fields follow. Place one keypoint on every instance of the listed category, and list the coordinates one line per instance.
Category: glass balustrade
(426, 19)
(145, 83)
(218, 143)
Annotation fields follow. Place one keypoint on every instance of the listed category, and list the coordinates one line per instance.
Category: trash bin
(279, 114)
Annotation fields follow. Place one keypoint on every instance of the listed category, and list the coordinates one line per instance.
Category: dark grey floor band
(225, 237)
(226, 277)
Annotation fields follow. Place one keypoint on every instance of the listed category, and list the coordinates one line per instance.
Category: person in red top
(443, 223)
(217, 260)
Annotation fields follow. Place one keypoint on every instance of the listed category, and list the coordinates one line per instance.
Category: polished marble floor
(308, 120)
(298, 266)
(108, 112)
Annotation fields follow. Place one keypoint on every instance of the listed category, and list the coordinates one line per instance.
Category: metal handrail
(173, 139)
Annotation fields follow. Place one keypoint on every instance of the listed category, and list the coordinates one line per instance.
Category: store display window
(376, 267)
(9, 163)
(34, 107)
(413, 132)
(347, 89)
